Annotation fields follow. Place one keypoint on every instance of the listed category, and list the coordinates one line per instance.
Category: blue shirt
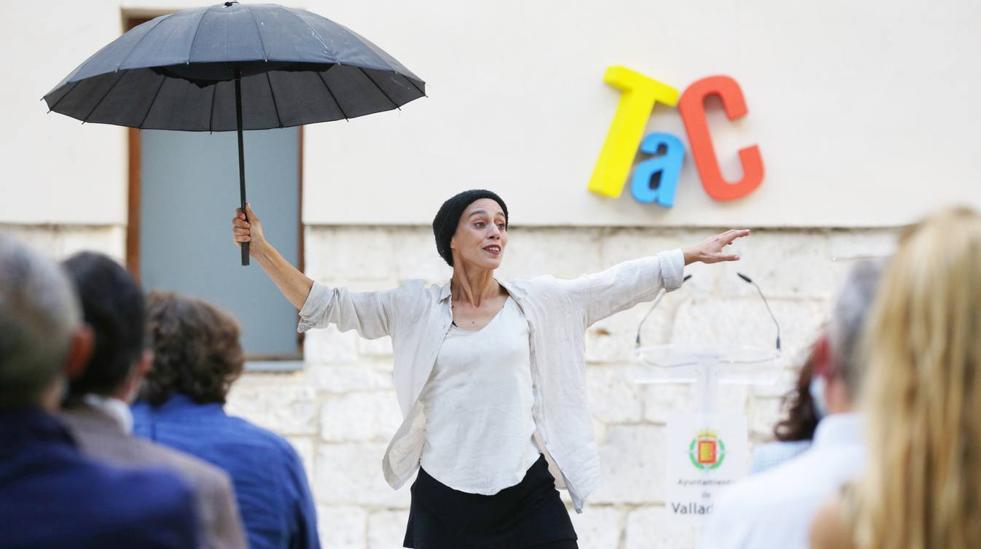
(52, 497)
(270, 484)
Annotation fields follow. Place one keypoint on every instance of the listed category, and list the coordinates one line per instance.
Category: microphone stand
(763, 297)
(657, 301)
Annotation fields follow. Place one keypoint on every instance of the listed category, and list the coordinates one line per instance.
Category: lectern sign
(706, 453)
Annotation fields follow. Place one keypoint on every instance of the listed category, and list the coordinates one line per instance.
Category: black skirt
(525, 515)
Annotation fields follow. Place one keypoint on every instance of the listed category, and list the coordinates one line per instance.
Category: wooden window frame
(132, 18)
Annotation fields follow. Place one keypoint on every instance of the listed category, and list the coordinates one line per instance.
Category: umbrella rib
(211, 114)
(262, 43)
(104, 96)
(418, 89)
(195, 37)
(163, 80)
(62, 98)
(390, 100)
(140, 41)
(313, 31)
(336, 102)
(273, 94)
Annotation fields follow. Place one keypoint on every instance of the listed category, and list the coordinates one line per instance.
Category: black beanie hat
(448, 218)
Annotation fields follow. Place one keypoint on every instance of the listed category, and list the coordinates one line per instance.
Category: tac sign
(655, 179)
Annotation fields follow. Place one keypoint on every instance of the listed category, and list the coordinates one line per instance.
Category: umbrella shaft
(241, 154)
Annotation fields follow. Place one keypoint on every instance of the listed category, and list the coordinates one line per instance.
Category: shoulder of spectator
(204, 477)
(276, 444)
(151, 493)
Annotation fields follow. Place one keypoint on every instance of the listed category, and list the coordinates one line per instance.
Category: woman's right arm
(370, 313)
(293, 284)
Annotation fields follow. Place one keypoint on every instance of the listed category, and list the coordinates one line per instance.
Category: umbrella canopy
(177, 72)
(234, 67)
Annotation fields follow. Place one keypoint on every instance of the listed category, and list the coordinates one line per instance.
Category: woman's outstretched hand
(246, 227)
(713, 249)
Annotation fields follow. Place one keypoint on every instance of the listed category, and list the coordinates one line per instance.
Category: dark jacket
(52, 497)
(102, 437)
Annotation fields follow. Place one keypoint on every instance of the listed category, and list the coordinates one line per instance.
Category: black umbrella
(234, 67)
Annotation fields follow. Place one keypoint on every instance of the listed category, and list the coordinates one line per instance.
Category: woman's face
(481, 235)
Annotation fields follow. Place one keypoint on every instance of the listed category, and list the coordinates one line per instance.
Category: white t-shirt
(478, 403)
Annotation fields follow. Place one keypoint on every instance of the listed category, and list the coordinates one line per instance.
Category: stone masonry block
(372, 416)
(657, 528)
(342, 527)
(351, 474)
(330, 346)
(61, 241)
(416, 256)
(785, 264)
(613, 339)
(663, 399)
(623, 244)
(850, 245)
(386, 529)
(599, 527)
(306, 448)
(375, 348)
(745, 322)
(279, 402)
(345, 379)
(763, 415)
(632, 462)
(109, 240)
(341, 254)
(613, 397)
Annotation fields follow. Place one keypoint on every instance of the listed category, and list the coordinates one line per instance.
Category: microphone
(763, 297)
(657, 301)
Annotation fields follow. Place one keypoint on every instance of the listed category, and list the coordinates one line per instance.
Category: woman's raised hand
(246, 227)
(713, 249)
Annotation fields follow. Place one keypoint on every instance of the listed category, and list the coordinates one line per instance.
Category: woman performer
(490, 374)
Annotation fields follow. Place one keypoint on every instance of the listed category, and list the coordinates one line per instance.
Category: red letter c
(692, 107)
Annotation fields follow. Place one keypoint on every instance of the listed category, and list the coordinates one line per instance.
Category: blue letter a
(656, 179)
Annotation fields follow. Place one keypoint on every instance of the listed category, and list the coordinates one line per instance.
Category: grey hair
(39, 312)
(846, 328)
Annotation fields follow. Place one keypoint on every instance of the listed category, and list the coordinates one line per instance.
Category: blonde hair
(922, 486)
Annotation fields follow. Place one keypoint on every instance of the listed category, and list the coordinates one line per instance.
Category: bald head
(39, 317)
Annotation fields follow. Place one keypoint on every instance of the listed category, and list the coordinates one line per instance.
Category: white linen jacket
(558, 313)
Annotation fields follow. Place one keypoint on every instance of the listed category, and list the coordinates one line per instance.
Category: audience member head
(196, 350)
(42, 338)
(113, 306)
(802, 417)
(839, 364)
(923, 392)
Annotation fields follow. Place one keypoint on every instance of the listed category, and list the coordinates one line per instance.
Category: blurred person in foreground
(51, 496)
(97, 410)
(197, 357)
(795, 431)
(774, 509)
(922, 488)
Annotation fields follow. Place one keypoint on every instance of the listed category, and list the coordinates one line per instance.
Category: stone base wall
(340, 410)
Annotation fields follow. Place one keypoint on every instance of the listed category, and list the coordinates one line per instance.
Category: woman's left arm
(713, 249)
(627, 284)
